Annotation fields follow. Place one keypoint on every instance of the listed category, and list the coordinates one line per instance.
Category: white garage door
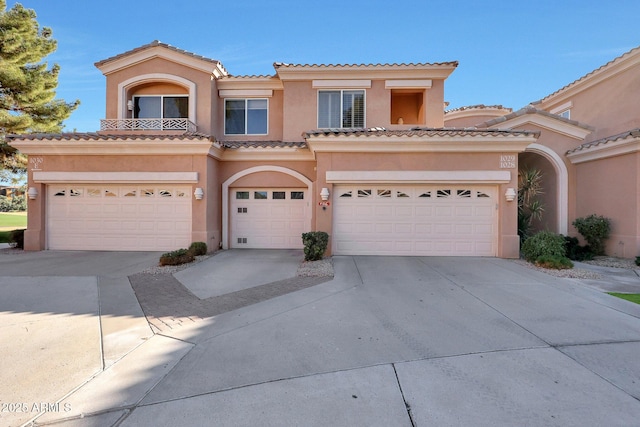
(116, 217)
(268, 218)
(414, 220)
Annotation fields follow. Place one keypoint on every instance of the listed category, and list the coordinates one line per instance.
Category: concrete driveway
(389, 341)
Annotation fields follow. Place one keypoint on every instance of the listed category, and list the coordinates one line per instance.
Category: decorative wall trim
(408, 84)
(412, 177)
(114, 177)
(320, 84)
(247, 93)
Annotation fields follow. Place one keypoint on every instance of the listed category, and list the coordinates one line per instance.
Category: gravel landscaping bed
(609, 261)
(572, 273)
(322, 268)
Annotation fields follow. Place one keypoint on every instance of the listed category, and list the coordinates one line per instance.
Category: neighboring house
(588, 149)
(188, 152)
(10, 191)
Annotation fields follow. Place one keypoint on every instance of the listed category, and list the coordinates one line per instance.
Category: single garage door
(268, 218)
(415, 220)
(118, 217)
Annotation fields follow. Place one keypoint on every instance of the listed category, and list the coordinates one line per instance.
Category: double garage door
(118, 217)
(443, 220)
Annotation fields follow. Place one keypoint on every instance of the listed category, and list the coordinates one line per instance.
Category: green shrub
(555, 262)
(315, 245)
(16, 239)
(595, 229)
(180, 256)
(198, 248)
(575, 251)
(638, 260)
(17, 203)
(543, 243)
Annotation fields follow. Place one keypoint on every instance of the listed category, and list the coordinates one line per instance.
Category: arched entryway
(555, 183)
(274, 194)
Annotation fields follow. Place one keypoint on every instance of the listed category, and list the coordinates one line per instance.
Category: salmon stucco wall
(602, 190)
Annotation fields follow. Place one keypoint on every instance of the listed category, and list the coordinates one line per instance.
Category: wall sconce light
(130, 105)
(510, 194)
(32, 193)
(199, 193)
(324, 194)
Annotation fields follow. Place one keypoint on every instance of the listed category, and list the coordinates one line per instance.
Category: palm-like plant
(529, 206)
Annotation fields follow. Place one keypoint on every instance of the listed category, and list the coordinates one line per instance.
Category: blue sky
(510, 52)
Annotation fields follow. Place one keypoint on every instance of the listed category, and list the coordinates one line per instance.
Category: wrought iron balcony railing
(147, 124)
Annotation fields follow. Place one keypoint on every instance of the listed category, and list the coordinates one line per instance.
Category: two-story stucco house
(189, 152)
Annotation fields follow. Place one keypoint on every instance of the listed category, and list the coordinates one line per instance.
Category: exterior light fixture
(130, 105)
(32, 193)
(324, 194)
(510, 194)
(199, 193)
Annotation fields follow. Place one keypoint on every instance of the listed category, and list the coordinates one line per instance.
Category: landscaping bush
(181, 256)
(543, 243)
(16, 239)
(555, 262)
(575, 251)
(315, 245)
(198, 248)
(18, 203)
(595, 229)
(638, 260)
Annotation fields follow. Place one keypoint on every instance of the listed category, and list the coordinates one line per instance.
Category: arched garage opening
(258, 194)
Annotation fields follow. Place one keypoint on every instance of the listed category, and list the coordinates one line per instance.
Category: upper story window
(246, 116)
(566, 114)
(161, 107)
(341, 109)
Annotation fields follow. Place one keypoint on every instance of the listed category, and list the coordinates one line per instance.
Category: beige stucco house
(189, 152)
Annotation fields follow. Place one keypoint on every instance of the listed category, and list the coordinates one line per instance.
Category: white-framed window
(341, 109)
(161, 107)
(246, 116)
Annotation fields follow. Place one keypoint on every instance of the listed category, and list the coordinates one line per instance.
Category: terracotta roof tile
(633, 133)
(478, 107)
(93, 136)
(262, 144)
(418, 132)
(422, 64)
(154, 44)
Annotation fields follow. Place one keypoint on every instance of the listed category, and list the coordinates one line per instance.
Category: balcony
(119, 125)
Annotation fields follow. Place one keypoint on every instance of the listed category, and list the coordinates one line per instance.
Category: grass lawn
(12, 220)
(629, 297)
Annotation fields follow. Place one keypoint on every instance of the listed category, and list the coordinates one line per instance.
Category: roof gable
(157, 49)
(544, 119)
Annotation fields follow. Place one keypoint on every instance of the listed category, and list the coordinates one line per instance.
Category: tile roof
(633, 133)
(155, 43)
(262, 144)
(478, 107)
(588, 75)
(277, 65)
(93, 136)
(419, 132)
(530, 109)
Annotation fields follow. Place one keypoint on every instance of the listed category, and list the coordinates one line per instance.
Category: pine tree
(27, 85)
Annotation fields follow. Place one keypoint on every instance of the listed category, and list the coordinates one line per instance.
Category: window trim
(162, 96)
(342, 91)
(246, 116)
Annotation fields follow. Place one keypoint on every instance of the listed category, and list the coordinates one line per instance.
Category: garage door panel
(415, 220)
(118, 218)
(274, 220)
